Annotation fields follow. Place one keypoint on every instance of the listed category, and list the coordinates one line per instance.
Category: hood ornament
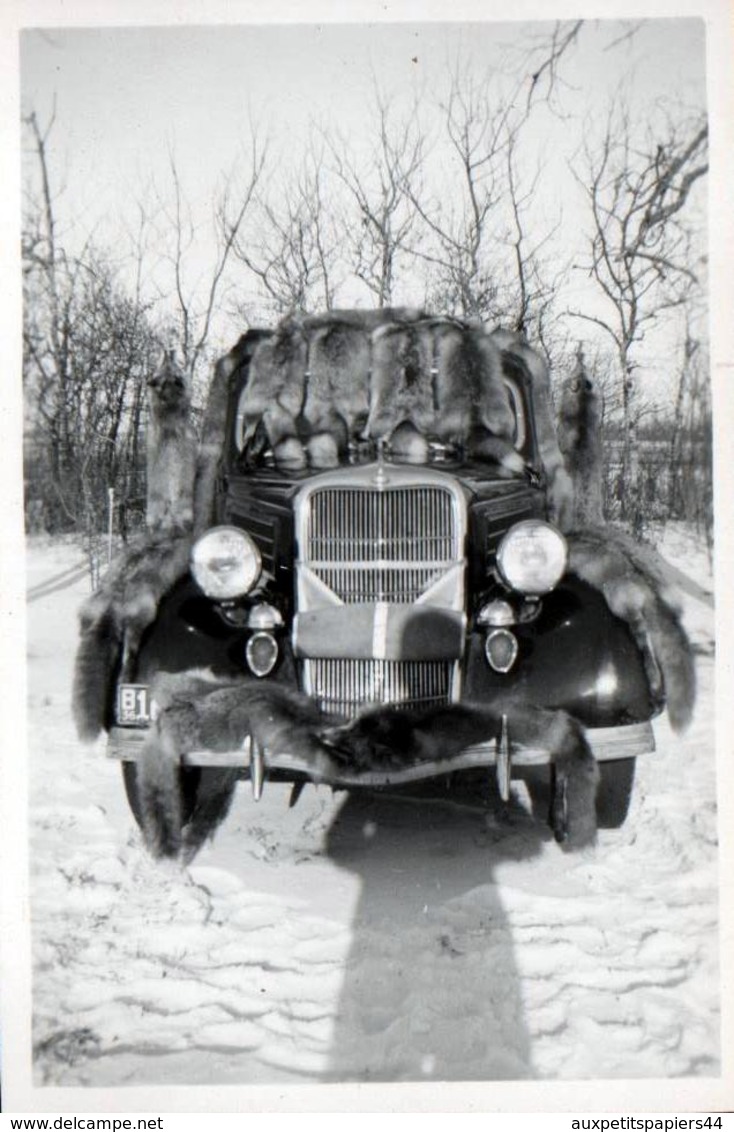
(381, 478)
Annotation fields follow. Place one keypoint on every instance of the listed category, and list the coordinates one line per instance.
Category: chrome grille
(343, 687)
(375, 536)
(384, 545)
(361, 582)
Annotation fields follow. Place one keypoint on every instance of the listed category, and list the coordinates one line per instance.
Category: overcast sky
(125, 98)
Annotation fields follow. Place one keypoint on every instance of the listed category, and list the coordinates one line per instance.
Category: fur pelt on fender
(171, 450)
(114, 618)
(560, 487)
(579, 438)
(631, 577)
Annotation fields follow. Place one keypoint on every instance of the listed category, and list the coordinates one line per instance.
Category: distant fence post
(110, 514)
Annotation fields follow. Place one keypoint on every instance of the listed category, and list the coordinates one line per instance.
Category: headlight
(225, 563)
(532, 557)
(262, 653)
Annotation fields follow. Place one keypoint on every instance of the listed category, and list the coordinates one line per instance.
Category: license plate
(133, 705)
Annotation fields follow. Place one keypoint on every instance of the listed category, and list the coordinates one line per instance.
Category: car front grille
(374, 537)
(344, 687)
(388, 545)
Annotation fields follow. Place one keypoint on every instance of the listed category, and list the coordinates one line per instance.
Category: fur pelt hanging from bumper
(114, 618)
(632, 578)
(199, 712)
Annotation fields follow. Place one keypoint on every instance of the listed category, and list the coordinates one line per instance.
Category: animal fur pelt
(180, 808)
(363, 319)
(400, 386)
(196, 711)
(579, 438)
(337, 397)
(470, 389)
(213, 432)
(275, 392)
(631, 578)
(560, 487)
(388, 738)
(472, 404)
(171, 450)
(114, 618)
(321, 382)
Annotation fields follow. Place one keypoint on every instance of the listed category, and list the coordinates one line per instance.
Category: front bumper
(607, 743)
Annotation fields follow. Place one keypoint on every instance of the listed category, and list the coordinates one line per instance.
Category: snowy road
(363, 938)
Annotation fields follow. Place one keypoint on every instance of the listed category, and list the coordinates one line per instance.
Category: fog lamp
(262, 653)
(264, 616)
(532, 557)
(225, 563)
(496, 613)
(501, 649)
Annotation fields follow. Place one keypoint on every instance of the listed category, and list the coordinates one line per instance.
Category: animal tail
(215, 791)
(97, 659)
(160, 794)
(673, 655)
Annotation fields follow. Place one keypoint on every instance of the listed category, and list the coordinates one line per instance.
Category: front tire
(614, 796)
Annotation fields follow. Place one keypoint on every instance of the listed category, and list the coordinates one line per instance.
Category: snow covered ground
(365, 939)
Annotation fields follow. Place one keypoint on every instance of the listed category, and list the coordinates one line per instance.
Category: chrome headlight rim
(232, 573)
(533, 580)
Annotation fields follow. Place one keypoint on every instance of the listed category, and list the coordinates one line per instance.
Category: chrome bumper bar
(606, 743)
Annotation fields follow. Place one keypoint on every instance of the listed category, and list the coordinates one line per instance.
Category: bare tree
(530, 284)
(88, 350)
(642, 249)
(690, 456)
(197, 291)
(548, 54)
(292, 246)
(379, 187)
(461, 225)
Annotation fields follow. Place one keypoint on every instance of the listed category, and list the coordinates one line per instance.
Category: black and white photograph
(366, 724)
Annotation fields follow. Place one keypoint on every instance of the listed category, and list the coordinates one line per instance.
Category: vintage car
(379, 582)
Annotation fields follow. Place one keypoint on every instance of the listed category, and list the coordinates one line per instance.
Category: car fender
(575, 655)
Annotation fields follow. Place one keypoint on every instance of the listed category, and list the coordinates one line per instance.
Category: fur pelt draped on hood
(396, 375)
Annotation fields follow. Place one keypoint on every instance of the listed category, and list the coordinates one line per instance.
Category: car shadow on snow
(431, 990)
